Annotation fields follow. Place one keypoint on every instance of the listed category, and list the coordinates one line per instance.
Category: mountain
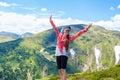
(26, 34)
(4, 38)
(33, 56)
(8, 36)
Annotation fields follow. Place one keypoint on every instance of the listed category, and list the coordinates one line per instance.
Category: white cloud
(116, 17)
(118, 6)
(4, 4)
(28, 8)
(18, 23)
(111, 8)
(43, 9)
(67, 21)
(113, 24)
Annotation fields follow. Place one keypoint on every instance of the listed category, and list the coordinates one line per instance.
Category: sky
(20, 16)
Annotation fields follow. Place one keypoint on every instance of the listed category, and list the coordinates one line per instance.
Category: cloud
(116, 17)
(28, 8)
(111, 8)
(59, 14)
(18, 23)
(118, 6)
(67, 21)
(4, 4)
(43, 9)
(113, 24)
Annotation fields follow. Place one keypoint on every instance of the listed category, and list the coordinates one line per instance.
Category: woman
(62, 48)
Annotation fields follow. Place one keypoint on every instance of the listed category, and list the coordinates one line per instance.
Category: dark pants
(61, 62)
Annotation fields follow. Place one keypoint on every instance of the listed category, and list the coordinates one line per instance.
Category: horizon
(20, 17)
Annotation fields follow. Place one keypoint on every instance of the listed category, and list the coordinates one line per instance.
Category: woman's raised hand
(51, 17)
(87, 27)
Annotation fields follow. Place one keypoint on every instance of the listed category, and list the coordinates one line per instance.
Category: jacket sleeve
(78, 34)
(54, 28)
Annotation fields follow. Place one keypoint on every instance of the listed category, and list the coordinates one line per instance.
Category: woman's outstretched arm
(54, 26)
(80, 32)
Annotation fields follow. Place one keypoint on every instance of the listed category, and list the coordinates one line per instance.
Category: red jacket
(62, 39)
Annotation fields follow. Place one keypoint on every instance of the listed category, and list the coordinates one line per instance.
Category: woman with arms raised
(62, 48)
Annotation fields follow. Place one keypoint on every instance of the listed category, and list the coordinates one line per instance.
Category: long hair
(67, 37)
(67, 43)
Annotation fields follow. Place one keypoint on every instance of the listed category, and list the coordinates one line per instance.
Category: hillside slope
(33, 57)
(4, 38)
(107, 74)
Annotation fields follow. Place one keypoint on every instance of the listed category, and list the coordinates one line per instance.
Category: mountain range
(33, 56)
(9, 36)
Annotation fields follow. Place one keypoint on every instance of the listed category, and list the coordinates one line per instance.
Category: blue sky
(21, 16)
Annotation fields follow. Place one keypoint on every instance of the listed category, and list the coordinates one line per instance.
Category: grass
(107, 74)
(5, 38)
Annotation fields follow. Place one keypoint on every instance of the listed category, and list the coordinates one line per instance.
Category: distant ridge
(14, 35)
(10, 34)
(27, 34)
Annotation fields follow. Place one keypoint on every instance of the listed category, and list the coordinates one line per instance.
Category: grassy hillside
(107, 74)
(20, 57)
(33, 57)
(4, 38)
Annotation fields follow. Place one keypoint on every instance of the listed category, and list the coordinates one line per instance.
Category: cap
(65, 28)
